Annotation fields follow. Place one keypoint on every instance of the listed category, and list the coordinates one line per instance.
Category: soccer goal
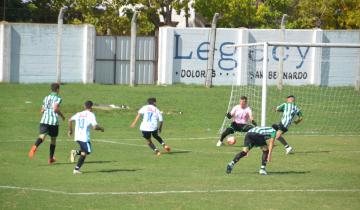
(324, 77)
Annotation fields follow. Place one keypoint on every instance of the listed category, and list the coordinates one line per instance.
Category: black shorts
(241, 127)
(254, 139)
(51, 130)
(85, 147)
(147, 134)
(282, 128)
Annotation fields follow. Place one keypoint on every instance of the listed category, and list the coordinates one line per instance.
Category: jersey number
(81, 123)
(150, 114)
(48, 105)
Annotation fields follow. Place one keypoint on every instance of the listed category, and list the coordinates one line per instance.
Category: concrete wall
(32, 53)
(183, 57)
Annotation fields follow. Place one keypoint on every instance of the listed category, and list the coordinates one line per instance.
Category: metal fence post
(133, 50)
(210, 63)
(58, 44)
(281, 57)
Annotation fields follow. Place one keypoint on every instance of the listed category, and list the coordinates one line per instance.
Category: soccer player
(289, 110)
(49, 123)
(85, 120)
(256, 136)
(151, 124)
(242, 116)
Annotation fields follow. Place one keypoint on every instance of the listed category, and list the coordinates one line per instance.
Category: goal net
(323, 77)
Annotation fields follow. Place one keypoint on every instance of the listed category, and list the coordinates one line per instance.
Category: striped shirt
(268, 132)
(49, 116)
(289, 111)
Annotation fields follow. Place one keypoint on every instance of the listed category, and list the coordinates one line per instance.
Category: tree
(244, 13)
(14, 11)
(303, 14)
(327, 14)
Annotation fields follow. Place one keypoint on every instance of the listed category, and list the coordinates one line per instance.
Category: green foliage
(326, 14)
(104, 15)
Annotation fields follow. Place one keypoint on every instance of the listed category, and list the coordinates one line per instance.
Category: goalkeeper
(242, 116)
(290, 111)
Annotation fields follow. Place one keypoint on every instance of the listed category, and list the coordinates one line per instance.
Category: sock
(80, 162)
(286, 146)
(38, 142)
(52, 150)
(78, 152)
(152, 146)
(264, 158)
(238, 156)
(227, 132)
(232, 163)
(159, 139)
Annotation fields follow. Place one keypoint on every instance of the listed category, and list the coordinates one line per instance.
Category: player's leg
(43, 130)
(147, 137)
(265, 154)
(246, 127)
(283, 129)
(248, 144)
(53, 133)
(85, 149)
(228, 131)
(73, 154)
(160, 140)
(52, 150)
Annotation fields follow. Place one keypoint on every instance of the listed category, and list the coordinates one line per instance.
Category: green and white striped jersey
(268, 132)
(289, 111)
(49, 117)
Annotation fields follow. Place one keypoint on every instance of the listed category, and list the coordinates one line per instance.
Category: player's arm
(300, 117)
(280, 108)
(57, 110)
(70, 130)
(98, 128)
(251, 116)
(160, 126)
(230, 114)
(42, 110)
(135, 120)
(161, 121)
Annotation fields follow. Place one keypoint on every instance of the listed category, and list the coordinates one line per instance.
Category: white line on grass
(176, 191)
(177, 149)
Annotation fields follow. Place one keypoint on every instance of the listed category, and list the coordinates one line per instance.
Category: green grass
(122, 163)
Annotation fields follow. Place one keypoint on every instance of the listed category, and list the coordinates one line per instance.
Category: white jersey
(241, 116)
(84, 122)
(151, 117)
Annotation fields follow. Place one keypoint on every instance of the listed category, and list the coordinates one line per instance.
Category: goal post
(330, 106)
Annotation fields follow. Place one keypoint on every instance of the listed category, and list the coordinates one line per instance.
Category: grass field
(122, 173)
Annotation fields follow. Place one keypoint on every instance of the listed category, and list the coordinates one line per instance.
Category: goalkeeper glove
(228, 115)
(254, 123)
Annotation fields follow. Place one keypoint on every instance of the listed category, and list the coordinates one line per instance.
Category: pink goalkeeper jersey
(240, 115)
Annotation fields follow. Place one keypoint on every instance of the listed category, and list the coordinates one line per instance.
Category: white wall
(5, 50)
(33, 53)
(183, 57)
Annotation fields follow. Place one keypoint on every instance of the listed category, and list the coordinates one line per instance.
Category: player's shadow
(113, 170)
(287, 172)
(177, 152)
(88, 162)
(312, 152)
